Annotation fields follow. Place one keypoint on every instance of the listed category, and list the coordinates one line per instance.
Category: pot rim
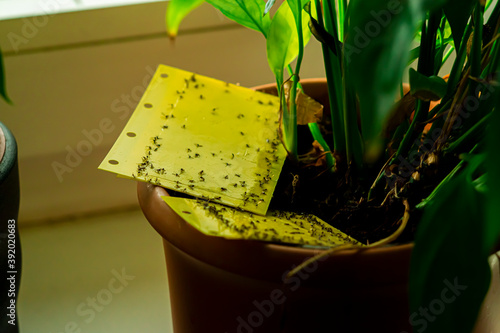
(8, 151)
(262, 259)
(2, 144)
(269, 261)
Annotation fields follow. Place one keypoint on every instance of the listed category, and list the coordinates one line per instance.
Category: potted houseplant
(10, 248)
(405, 174)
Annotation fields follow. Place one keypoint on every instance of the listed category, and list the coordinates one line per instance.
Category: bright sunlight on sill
(12, 9)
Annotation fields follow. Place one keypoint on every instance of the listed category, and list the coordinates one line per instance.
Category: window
(11, 9)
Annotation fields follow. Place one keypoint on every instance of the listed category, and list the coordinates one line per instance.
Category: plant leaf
(3, 87)
(176, 11)
(282, 42)
(457, 12)
(492, 163)
(431, 88)
(449, 273)
(293, 6)
(248, 13)
(376, 53)
(322, 35)
(308, 109)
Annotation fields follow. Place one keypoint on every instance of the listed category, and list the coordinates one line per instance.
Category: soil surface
(342, 201)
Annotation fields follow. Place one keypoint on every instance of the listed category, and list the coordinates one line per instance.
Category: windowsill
(94, 26)
(17, 9)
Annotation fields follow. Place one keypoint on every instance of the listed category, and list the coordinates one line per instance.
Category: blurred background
(75, 71)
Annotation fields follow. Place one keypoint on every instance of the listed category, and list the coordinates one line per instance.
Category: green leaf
(376, 47)
(323, 36)
(458, 12)
(449, 273)
(282, 42)
(414, 53)
(492, 167)
(294, 5)
(431, 88)
(248, 13)
(3, 88)
(176, 11)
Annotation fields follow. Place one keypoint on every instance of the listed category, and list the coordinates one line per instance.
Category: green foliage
(332, 57)
(283, 42)
(376, 82)
(457, 12)
(288, 34)
(248, 13)
(449, 273)
(177, 10)
(428, 88)
(367, 47)
(491, 221)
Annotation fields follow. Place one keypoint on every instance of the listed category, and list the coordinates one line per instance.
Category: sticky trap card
(281, 227)
(207, 138)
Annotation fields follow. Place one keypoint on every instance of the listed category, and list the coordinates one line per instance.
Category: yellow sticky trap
(204, 137)
(281, 227)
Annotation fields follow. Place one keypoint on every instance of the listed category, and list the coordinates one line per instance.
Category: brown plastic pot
(238, 286)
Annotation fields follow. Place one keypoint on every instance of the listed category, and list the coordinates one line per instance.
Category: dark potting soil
(342, 201)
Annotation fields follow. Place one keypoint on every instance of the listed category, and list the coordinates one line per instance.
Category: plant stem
(447, 179)
(334, 78)
(471, 135)
(342, 9)
(475, 56)
(354, 144)
(448, 53)
(426, 67)
(292, 126)
(457, 67)
(316, 133)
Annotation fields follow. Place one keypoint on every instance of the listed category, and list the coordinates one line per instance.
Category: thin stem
(475, 67)
(470, 136)
(457, 67)
(426, 67)
(448, 53)
(354, 144)
(334, 78)
(342, 8)
(316, 133)
(295, 78)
